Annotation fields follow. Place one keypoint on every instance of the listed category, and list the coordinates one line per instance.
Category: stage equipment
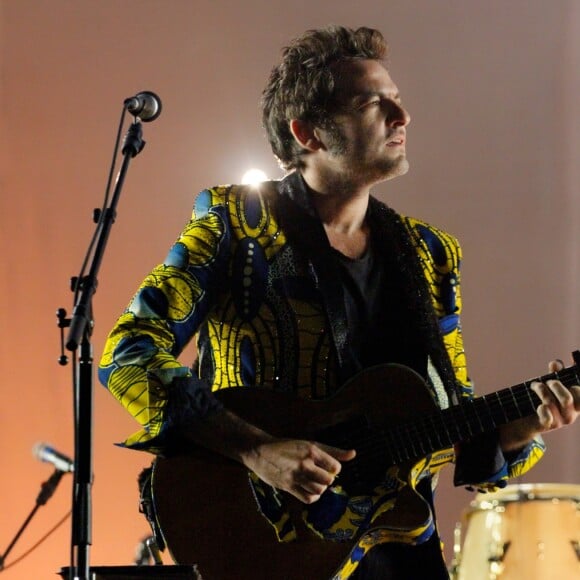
(529, 531)
(145, 106)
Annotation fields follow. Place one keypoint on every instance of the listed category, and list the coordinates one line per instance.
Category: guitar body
(208, 511)
(212, 512)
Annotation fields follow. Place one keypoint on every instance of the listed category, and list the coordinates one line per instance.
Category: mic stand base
(139, 572)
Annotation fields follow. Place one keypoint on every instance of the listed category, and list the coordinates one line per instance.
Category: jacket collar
(294, 187)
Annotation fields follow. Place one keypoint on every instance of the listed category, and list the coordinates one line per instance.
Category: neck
(339, 205)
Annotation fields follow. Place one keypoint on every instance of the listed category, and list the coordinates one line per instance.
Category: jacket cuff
(480, 462)
(190, 400)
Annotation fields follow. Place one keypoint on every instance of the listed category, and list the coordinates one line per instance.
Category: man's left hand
(559, 407)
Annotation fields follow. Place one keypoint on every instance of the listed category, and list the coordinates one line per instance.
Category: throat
(353, 245)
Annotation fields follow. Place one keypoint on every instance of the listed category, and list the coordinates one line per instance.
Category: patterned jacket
(250, 279)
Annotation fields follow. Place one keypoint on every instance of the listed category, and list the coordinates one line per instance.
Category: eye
(370, 104)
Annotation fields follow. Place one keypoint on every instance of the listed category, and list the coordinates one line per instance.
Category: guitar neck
(442, 429)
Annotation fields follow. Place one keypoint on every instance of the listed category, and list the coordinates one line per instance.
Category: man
(301, 286)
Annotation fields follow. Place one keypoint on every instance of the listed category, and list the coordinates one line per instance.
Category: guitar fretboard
(443, 428)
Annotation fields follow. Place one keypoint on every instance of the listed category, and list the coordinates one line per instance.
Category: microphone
(44, 452)
(145, 105)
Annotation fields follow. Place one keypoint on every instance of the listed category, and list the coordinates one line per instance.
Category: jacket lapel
(306, 233)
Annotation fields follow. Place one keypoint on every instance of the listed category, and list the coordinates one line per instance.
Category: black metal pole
(79, 334)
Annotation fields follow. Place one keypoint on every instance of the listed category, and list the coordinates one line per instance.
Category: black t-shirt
(379, 324)
(363, 281)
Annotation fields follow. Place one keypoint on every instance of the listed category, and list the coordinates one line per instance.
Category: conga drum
(522, 532)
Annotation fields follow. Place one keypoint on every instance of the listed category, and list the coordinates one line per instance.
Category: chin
(396, 169)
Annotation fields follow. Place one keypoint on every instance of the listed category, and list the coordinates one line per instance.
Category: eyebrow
(362, 97)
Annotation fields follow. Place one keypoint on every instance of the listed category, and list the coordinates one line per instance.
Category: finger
(548, 409)
(310, 487)
(559, 401)
(545, 417)
(575, 392)
(324, 462)
(563, 396)
(306, 496)
(556, 365)
(567, 400)
(547, 397)
(337, 452)
(315, 478)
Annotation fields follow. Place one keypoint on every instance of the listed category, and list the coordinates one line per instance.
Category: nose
(398, 116)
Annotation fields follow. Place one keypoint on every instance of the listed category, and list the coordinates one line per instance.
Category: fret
(480, 427)
(390, 449)
(396, 454)
(416, 440)
(530, 394)
(465, 419)
(439, 427)
(402, 444)
(428, 437)
(484, 413)
(445, 418)
(501, 407)
(511, 404)
(420, 438)
(410, 441)
(460, 423)
(474, 418)
(436, 432)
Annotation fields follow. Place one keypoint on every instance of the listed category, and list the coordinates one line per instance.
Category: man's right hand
(304, 469)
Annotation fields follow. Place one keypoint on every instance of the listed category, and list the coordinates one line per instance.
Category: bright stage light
(253, 177)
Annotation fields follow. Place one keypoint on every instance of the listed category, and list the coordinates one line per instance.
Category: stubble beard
(397, 167)
(377, 171)
(374, 171)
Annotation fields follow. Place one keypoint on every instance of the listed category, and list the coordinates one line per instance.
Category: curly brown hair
(302, 85)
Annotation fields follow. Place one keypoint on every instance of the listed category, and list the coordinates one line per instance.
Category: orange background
(493, 90)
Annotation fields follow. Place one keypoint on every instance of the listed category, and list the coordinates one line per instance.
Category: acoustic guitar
(211, 513)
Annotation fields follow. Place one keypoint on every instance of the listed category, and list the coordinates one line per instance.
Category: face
(367, 133)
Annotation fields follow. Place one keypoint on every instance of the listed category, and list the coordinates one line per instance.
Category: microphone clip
(133, 142)
(49, 487)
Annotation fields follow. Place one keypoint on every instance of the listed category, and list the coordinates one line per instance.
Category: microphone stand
(46, 491)
(81, 326)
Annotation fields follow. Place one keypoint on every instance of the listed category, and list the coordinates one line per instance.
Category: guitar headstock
(576, 357)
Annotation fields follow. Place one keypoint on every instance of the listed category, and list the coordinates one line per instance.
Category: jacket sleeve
(480, 461)
(139, 364)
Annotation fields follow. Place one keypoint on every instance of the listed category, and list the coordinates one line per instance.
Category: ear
(305, 134)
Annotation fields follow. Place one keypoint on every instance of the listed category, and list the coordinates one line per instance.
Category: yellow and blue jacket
(250, 280)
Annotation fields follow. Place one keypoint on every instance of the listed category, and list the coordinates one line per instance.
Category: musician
(298, 285)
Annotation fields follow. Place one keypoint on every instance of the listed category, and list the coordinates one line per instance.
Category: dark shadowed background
(493, 90)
